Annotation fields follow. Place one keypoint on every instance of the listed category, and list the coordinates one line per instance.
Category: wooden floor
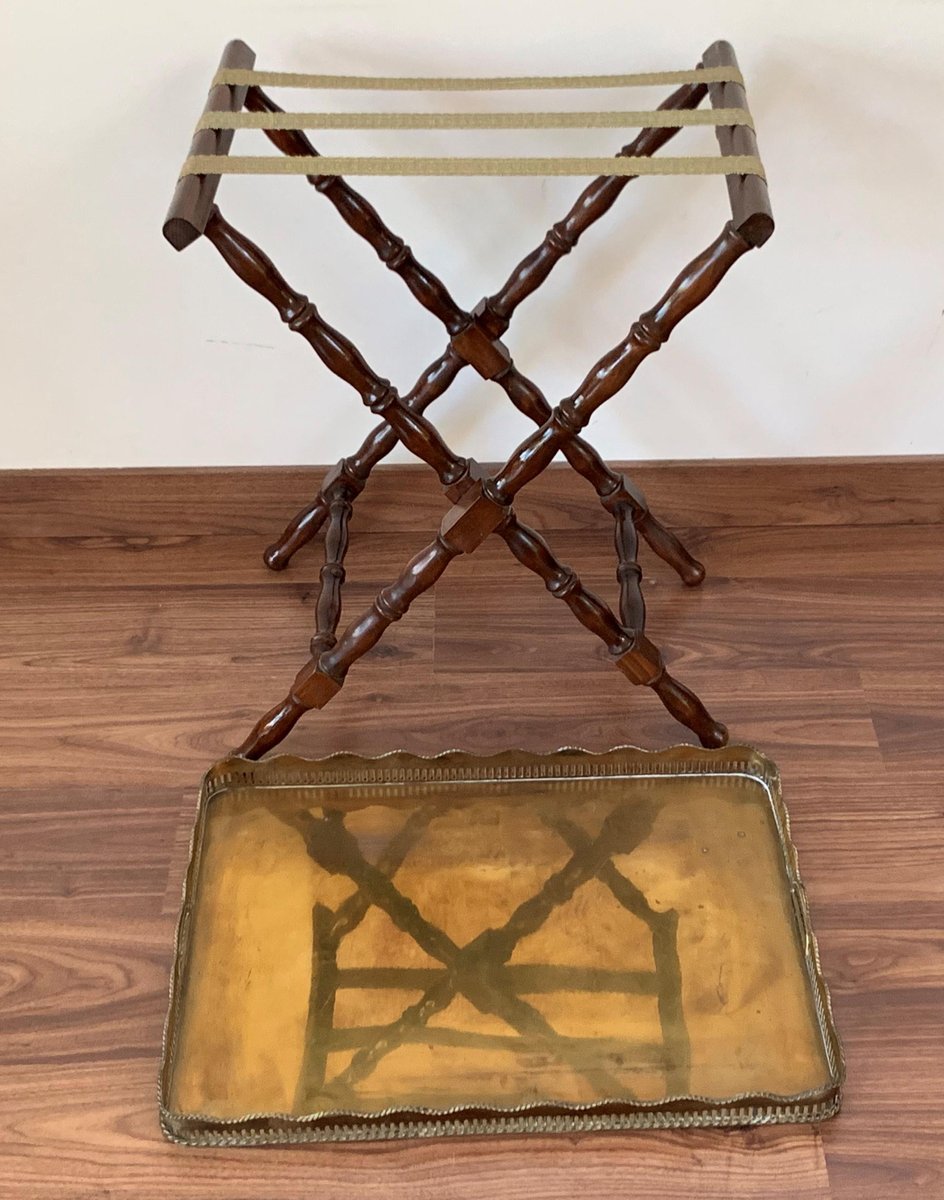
(140, 636)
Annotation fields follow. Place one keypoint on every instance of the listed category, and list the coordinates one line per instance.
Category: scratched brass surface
(369, 947)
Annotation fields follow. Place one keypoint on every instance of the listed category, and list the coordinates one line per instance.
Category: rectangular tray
(405, 946)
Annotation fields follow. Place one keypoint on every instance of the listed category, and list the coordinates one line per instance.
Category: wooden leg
(356, 469)
(628, 571)
(408, 425)
(271, 728)
(299, 532)
(563, 582)
(328, 608)
(668, 547)
(475, 336)
(483, 506)
(613, 489)
(322, 678)
(688, 710)
(631, 651)
(643, 664)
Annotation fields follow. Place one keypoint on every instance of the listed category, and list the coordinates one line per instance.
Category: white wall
(116, 351)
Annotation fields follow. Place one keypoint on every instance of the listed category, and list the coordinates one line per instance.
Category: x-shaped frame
(481, 505)
(480, 970)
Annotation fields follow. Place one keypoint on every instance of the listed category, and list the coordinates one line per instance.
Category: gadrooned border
(384, 772)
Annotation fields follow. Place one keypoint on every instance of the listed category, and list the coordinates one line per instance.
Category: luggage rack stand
(481, 505)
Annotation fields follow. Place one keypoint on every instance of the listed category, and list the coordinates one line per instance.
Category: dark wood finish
(480, 511)
(338, 354)
(481, 505)
(663, 542)
(594, 201)
(685, 706)
(357, 468)
(475, 337)
(632, 605)
(126, 671)
(750, 200)
(486, 505)
(626, 643)
(533, 552)
(193, 197)
(614, 370)
(276, 724)
(322, 677)
(328, 608)
(614, 490)
(364, 219)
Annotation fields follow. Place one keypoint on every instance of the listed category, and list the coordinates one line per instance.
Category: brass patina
(401, 946)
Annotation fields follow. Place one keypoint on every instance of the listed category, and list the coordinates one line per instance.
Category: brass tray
(403, 946)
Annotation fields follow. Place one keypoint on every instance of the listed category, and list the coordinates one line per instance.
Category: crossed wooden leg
(475, 337)
(484, 506)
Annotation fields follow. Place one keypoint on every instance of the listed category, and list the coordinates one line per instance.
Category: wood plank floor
(140, 636)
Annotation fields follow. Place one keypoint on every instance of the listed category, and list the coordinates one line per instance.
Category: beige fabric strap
(242, 78)
(662, 118)
(222, 164)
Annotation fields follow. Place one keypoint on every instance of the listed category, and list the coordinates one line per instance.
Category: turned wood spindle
(689, 711)
(633, 653)
(632, 605)
(358, 466)
(493, 318)
(666, 545)
(300, 530)
(614, 370)
(338, 354)
(596, 199)
(364, 219)
(328, 608)
(486, 509)
(321, 678)
(390, 604)
(563, 582)
(612, 488)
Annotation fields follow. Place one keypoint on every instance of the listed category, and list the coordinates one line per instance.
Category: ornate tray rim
(346, 769)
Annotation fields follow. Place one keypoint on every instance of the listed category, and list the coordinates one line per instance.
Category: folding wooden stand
(482, 505)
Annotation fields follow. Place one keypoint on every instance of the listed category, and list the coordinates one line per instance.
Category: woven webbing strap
(661, 118)
(304, 164)
(242, 78)
(212, 164)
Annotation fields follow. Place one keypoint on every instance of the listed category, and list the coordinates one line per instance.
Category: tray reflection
(487, 944)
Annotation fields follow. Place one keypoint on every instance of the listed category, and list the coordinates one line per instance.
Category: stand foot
(299, 531)
(688, 710)
(271, 728)
(670, 550)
